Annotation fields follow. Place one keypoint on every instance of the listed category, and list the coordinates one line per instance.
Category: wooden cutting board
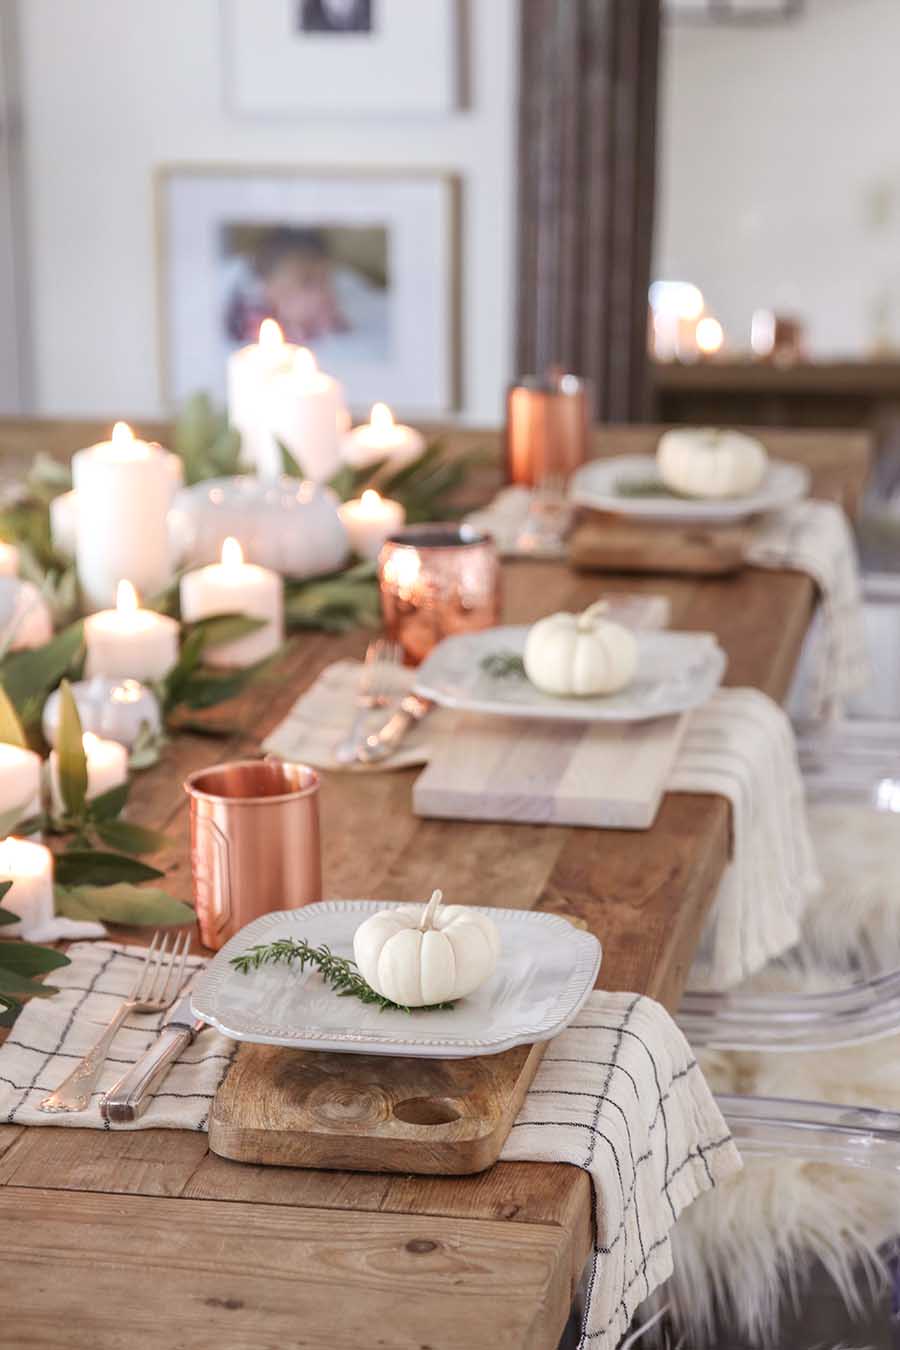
(543, 773)
(607, 543)
(369, 1113)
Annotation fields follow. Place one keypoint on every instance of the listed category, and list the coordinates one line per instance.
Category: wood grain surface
(199, 1251)
(602, 542)
(367, 1113)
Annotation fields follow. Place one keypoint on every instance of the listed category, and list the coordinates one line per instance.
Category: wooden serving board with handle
(551, 773)
(606, 543)
(369, 1113)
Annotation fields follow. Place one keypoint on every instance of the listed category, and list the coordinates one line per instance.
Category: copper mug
(254, 843)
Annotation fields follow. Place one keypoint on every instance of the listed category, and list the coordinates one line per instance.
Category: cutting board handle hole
(427, 1110)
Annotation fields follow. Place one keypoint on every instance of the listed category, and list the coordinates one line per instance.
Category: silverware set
(378, 688)
(160, 981)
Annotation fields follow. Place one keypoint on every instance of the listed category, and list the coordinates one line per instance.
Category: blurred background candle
(125, 487)
(381, 438)
(548, 423)
(25, 619)
(9, 559)
(130, 642)
(436, 580)
(233, 586)
(64, 523)
(29, 866)
(304, 409)
(117, 709)
(369, 520)
(20, 781)
(251, 371)
(107, 767)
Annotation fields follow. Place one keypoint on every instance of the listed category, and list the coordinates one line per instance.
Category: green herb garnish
(340, 972)
(647, 487)
(504, 665)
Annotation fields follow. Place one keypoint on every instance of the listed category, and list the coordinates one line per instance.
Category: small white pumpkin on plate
(417, 955)
(580, 654)
(711, 462)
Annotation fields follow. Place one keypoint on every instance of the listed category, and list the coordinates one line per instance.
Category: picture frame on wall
(361, 267)
(342, 57)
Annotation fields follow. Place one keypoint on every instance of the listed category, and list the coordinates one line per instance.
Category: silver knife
(383, 742)
(131, 1095)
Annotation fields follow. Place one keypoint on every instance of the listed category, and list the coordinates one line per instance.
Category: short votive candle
(29, 866)
(233, 586)
(129, 642)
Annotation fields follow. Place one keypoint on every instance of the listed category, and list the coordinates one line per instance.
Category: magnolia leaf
(147, 749)
(11, 731)
(121, 904)
(7, 917)
(206, 690)
(189, 659)
(20, 986)
(12, 821)
(78, 867)
(28, 676)
(26, 958)
(109, 804)
(289, 464)
(46, 472)
(220, 628)
(71, 761)
(129, 838)
(9, 1010)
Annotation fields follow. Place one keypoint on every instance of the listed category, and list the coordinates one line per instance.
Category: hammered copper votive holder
(255, 843)
(436, 580)
(548, 423)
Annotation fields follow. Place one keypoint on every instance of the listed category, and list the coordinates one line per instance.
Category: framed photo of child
(360, 268)
(342, 57)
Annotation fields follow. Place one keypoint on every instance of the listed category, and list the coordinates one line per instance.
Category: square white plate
(596, 486)
(676, 672)
(545, 972)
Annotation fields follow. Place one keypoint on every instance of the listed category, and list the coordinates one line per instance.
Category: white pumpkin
(709, 462)
(420, 954)
(580, 654)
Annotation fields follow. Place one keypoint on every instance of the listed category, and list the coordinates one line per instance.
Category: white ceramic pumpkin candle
(422, 954)
(116, 709)
(369, 520)
(712, 463)
(125, 487)
(233, 586)
(381, 438)
(107, 767)
(129, 642)
(580, 654)
(20, 781)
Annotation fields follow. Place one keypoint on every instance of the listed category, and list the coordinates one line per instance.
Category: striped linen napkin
(618, 1094)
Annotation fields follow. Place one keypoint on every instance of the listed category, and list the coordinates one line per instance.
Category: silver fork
(373, 691)
(157, 986)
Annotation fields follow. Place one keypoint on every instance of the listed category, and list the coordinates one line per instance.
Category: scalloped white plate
(545, 972)
(596, 485)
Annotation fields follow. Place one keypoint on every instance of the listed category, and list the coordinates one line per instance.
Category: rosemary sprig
(647, 487)
(338, 971)
(504, 665)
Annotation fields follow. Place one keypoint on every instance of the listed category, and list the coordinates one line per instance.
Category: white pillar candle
(64, 523)
(25, 619)
(305, 409)
(129, 642)
(9, 559)
(369, 520)
(235, 587)
(29, 866)
(251, 372)
(116, 709)
(125, 488)
(107, 767)
(381, 438)
(20, 781)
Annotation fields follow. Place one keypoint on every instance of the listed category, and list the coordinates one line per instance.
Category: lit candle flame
(129, 691)
(270, 335)
(370, 500)
(232, 553)
(122, 436)
(710, 336)
(126, 598)
(304, 363)
(381, 418)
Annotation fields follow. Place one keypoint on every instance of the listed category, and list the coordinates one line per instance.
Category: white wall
(780, 170)
(113, 88)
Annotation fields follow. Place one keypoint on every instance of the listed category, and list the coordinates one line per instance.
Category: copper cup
(254, 843)
(436, 580)
(548, 422)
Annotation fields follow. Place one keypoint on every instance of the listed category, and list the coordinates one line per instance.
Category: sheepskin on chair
(740, 1249)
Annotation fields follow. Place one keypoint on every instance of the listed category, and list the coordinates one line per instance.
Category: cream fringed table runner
(618, 1094)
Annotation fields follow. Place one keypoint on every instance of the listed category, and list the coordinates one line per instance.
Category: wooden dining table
(146, 1238)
